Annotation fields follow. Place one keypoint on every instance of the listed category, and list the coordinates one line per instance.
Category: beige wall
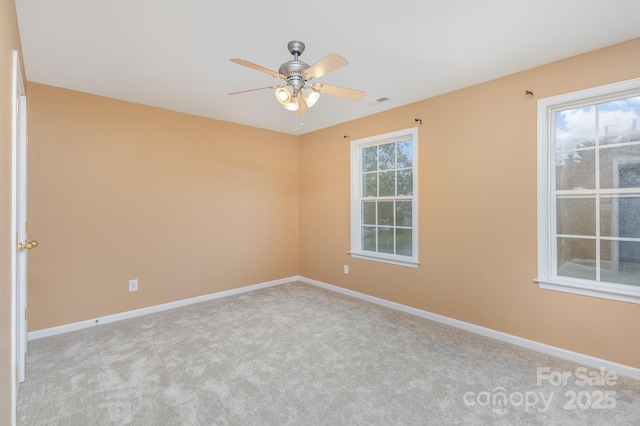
(477, 211)
(9, 40)
(187, 205)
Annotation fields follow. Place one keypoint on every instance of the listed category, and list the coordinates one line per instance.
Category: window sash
(358, 198)
(548, 197)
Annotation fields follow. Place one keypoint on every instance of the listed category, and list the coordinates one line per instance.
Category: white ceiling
(175, 54)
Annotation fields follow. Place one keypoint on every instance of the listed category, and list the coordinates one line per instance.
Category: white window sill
(394, 260)
(619, 292)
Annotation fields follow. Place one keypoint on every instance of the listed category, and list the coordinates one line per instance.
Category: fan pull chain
(295, 121)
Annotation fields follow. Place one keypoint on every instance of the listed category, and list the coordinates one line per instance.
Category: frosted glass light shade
(283, 94)
(310, 97)
(292, 105)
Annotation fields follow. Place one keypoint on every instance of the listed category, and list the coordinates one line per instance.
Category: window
(589, 192)
(384, 198)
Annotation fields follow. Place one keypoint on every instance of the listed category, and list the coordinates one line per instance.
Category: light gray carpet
(299, 355)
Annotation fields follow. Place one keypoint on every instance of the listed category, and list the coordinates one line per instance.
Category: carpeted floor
(295, 354)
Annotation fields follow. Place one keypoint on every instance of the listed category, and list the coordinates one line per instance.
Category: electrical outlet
(346, 269)
(133, 285)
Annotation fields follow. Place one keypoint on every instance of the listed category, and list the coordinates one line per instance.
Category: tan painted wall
(477, 211)
(9, 40)
(187, 205)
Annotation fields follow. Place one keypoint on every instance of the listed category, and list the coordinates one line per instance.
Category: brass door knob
(27, 246)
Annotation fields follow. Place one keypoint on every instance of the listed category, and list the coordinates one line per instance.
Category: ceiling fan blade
(253, 90)
(342, 92)
(258, 68)
(324, 66)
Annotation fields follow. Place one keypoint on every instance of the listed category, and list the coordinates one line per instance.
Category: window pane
(370, 159)
(620, 216)
(620, 167)
(387, 184)
(576, 216)
(577, 258)
(620, 262)
(575, 128)
(405, 154)
(403, 242)
(368, 212)
(369, 238)
(403, 213)
(385, 240)
(623, 137)
(629, 174)
(619, 121)
(385, 213)
(405, 182)
(370, 185)
(387, 155)
(575, 170)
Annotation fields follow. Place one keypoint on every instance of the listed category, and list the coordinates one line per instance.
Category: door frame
(18, 201)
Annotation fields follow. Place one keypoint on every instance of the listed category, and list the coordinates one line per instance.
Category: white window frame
(547, 268)
(356, 198)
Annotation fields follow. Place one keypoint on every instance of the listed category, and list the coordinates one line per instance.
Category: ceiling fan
(298, 93)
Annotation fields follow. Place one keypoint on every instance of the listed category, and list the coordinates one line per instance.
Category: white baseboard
(576, 357)
(38, 334)
(587, 360)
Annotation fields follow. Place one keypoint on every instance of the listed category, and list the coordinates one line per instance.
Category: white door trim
(18, 292)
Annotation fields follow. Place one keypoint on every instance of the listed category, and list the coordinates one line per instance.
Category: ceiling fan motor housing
(293, 71)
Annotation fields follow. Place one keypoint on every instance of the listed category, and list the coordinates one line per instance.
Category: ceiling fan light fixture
(310, 96)
(283, 94)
